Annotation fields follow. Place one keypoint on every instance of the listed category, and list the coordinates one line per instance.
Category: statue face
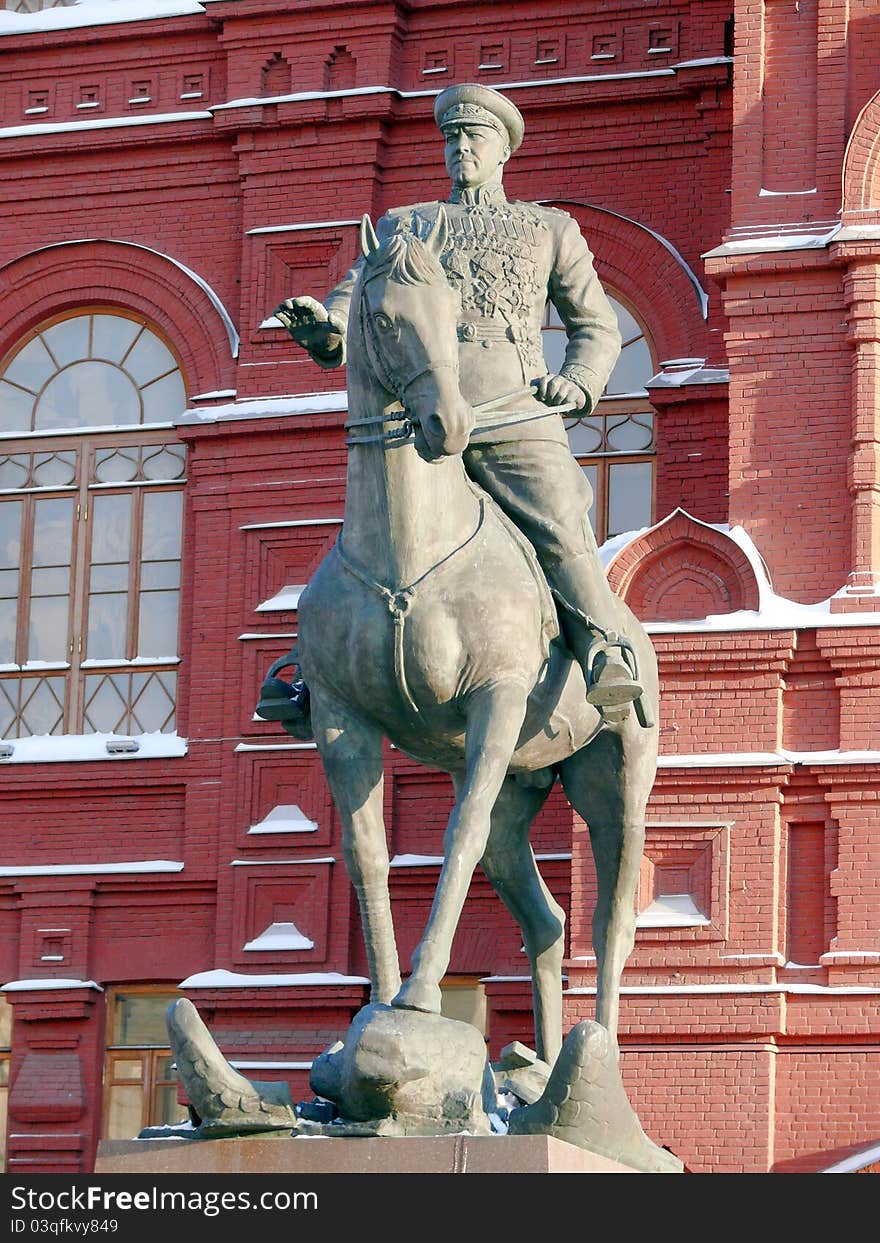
(474, 154)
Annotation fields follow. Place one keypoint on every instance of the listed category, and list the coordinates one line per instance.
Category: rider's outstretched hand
(556, 390)
(309, 324)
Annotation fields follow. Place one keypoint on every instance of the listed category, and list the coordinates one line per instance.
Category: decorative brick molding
(60, 278)
(681, 569)
(650, 273)
(861, 166)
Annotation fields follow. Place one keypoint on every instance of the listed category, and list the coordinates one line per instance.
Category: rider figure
(506, 259)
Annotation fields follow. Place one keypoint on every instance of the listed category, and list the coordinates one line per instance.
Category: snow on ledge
(335, 402)
(96, 13)
(672, 910)
(65, 748)
(75, 127)
(234, 979)
(858, 1160)
(281, 936)
(286, 818)
(136, 868)
(765, 759)
(35, 986)
(284, 601)
(774, 612)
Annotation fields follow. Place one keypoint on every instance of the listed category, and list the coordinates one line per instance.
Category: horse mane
(405, 258)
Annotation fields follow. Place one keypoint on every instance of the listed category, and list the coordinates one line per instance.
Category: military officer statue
(506, 259)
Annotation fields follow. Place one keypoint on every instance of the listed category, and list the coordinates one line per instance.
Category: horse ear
(439, 236)
(369, 241)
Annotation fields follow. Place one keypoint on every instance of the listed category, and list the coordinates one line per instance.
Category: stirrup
(289, 703)
(613, 685)
(612, 681)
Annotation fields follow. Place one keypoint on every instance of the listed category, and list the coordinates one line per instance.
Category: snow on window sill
(66, 748)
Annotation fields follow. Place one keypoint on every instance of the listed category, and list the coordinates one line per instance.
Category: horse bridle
(392, 383)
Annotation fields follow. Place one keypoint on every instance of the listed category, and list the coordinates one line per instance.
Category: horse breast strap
(400, 601)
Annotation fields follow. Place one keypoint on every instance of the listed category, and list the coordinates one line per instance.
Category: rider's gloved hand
(310, 326)
(556, 390)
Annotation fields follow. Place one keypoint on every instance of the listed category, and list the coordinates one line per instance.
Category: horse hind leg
(608, 784)
(510, 866)
(351, 752)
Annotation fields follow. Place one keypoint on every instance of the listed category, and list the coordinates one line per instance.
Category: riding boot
(607, 658)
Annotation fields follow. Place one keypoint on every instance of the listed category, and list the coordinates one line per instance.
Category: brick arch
(861, 164)
(650, 274)
(69, 275)
(683, 569)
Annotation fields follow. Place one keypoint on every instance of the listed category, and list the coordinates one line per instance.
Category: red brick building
(172, 469)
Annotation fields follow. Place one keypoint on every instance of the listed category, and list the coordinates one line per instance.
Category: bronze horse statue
(430, 624)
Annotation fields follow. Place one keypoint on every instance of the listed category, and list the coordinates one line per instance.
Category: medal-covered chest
(495, 259)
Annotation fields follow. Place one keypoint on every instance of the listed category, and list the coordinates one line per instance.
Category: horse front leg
(351, 752)
(494, 718)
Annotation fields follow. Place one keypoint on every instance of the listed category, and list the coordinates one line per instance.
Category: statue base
(278, 1153)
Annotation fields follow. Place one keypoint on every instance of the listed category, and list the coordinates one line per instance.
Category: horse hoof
(415, 996)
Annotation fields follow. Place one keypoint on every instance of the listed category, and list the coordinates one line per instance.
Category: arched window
(91, 505)
(615, 444)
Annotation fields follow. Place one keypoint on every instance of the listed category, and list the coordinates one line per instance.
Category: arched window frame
(623, 478)
(77, 472)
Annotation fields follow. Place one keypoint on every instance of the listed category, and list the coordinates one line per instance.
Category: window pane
(627, 324)
(16, 408)
(116, 465)
(108, 623)
(629, 435)
(5, 1024)
(89, 394)
(14, 469)
(554, 343)
(109, 577)
(160, 575)
(68, 340)
(111, 528)
(163, 513)
(47, 636)
(42, 706)
(10, 534)
(139, 1019)
(149, 359)
(53, 524)
(585, 436)
(164, 400)
(129, 1068)
(50, 579)
(157, 624)
(106, 710)
(125, 1112)
(54, 470)
(153, 696)
(10, 552)
(112, 336)
(592, 473)
(633, 369)
(164, 462)
(167, 1110)
(31, 367)
(629, 502)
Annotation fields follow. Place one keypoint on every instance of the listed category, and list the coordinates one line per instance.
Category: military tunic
(506, 259)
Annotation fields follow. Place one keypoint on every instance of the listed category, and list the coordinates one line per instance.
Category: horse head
(408, 320)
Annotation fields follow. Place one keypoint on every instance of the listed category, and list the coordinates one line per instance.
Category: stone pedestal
(280, 1154)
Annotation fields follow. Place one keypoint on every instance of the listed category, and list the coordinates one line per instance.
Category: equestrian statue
(464, 615)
